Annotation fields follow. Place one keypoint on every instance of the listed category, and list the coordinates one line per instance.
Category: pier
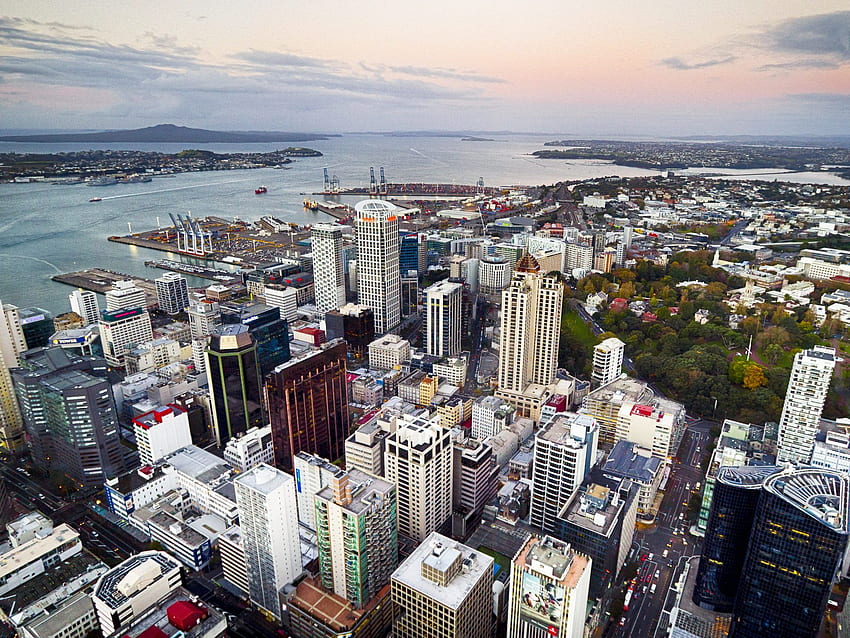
(100, 280)
(204, 272)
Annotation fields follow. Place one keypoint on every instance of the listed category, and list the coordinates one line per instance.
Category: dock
(203, 272)
(340, 212)
(100, 280)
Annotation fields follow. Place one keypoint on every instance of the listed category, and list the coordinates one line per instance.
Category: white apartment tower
(804, 399)
(607, 360)
(328, 274)
(265, 497)
(172, 293)
(125, 295)
(418, 460)
(530, 328)
(84, 303)
(160, 432)
(378, 276)
(122, 328)
(204, 316)
(443, 307)
(564, 452)
(12, 344)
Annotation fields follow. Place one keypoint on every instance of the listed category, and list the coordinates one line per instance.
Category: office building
(357, 535)
(265, 497)
(364, 449)
(160, 432)
(443, 590)
(312, 473)
(328, 275)
(494, 275)
(378, 275)
(69, 414)
(796, 547)
(409, 295)
(234, 378)
(285, 299)
(308, 404)
(549, 590)
(125, 295)
(418, 460)
(804, 400)
(490, 415)
(530, 328)
(355, 324)
(607, 361)
(179, 615)
(736, 495)
(37, 326)
(85, 304)
(388, 352)
(564, 452)
(250, 448)
(121, 330)
(269, 331)
(42, 551)
(443, 301)
(130, 588)
(475, 479)
(12, 343)
(636, 464)
(172, 293)
(204, 316)
(409, 254)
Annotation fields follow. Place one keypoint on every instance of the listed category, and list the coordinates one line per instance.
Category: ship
(95, 199)
(261, 190)
(107, 180)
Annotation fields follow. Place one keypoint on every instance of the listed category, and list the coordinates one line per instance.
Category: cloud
(679, 64)
(276, 59)
(448, 74)
(799, 64)
(826, 35)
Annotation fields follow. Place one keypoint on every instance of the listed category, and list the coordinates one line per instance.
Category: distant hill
(165, 133)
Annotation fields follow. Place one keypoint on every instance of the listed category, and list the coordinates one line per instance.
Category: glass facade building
(408, 258)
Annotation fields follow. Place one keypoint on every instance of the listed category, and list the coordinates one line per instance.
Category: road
(648, 612)
(737, 228)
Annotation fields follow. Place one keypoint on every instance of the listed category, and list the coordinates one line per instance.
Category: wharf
(340, 212)
(100, 280)
(203, 272)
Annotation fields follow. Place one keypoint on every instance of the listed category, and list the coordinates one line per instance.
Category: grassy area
(502, 561)
(579, 329)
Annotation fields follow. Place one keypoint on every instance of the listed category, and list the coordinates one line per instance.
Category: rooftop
(35, 549)
(365, 490)
(822, 494)
(331, 610)
(184, 609)
(264, 479)
(627, 460)
(125, 580)
(198, 464)
(476, 565)
(554, 559)
(746, 476)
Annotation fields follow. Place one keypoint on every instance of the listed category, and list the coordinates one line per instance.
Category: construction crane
(334, 184)
(480, 186)
(382, 190)
(373, 184)
(327, 184)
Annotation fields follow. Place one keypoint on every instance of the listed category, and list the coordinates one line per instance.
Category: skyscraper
(531, 319)
(355, 324)
(804, 399)
(308, 404)
(121, 330)
(357, 535)
(549, 588)
(12, 344)
(268, 329)
(37, 326)
(84, 303)
(204, 316)
(607, 360)
(564, 452)
(418, 460)
(172, 293)
(378, 276)
(443, 301)
(234, 378)
(443, 590)
(328, 272)
(796, 547)
(68, 411)
(265, 497)
(409, 253)
(125, 295)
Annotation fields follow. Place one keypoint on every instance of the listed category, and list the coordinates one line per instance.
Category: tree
(749, 326)
(754, 377)
(773, 352)
(627, 290)
(775, 335)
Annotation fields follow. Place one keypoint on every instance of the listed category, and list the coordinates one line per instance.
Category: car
(643, 558)
(648, 577)
(651, 556)
(41, 496)
(657, 573)
(622, 620)
(664, 554)
(94, 534)
(684, 541)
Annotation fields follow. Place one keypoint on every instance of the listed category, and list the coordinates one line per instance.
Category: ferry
(261, 190)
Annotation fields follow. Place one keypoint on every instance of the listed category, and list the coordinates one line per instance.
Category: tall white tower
(328, 273)
(172, 293)
(12, 344)
(443, 305)
(125, 295)
(418, 460)
(378, 276)
(265, 497)
(607, 360)
(84, 303)
(531, 328)
(804, 399)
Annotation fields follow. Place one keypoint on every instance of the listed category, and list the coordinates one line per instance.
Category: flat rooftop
(365, 489)
(145, 565)
(198, 464)
(214, 624)
(331, 610)
(555, 559)
(35, 549)
(264, 479)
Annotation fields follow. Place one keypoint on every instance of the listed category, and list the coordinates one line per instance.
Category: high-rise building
(12, 344)
(530, 328)
(804, 399)
(12, 340)
(443, 590)
(269, 331)
(84, 303)
(172, 293)
(357, 535)
(312, 474)
(69, 414)
(234, 377)
(418, 460)
(378, 275)
(578, 256)
(308, 404)
(475, 480)
(204, 316)
(796, 547)
(160, 432)
(443, 301)
(121, 330)
(265, 497)
(409, 294)
(735, 499)
(355, 324)
(549, 589)
(607, 360)
(328, 272)
(125, 295)
(564, 452)
(409, 253)
(494, 274)
(37, 326)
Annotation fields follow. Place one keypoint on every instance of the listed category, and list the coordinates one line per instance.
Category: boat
(261, 190)
(108, 180)
(96, 199)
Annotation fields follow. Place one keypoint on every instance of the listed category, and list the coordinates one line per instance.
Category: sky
(662, 67)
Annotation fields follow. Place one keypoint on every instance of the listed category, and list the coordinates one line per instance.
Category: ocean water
(47, 229)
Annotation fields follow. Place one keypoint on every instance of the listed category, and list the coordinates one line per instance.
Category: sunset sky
(555, 66)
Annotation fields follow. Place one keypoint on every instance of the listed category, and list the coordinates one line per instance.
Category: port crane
(382, 187)
(373, 183)
(331, 184)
